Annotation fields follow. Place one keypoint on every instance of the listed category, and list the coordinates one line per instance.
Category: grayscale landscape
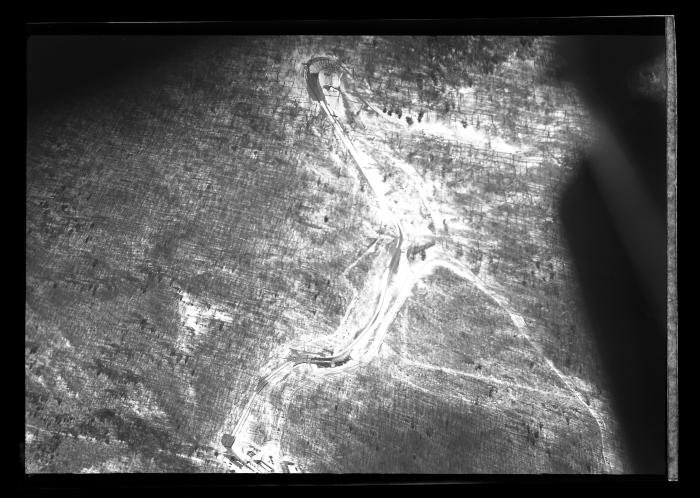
(315, 254)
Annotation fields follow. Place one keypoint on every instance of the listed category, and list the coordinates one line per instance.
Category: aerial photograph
(362, 254)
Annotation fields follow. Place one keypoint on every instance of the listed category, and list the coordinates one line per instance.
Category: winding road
(400, 275)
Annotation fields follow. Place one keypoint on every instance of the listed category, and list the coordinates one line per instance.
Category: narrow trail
(397, 280)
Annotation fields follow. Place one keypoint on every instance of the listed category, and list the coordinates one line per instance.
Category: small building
(290, 467)
(264, 466)
(234, 461)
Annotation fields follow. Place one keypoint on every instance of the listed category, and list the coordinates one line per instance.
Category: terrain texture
(193, 228)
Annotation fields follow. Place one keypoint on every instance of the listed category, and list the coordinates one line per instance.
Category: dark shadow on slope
(625, 301)
(60, 68)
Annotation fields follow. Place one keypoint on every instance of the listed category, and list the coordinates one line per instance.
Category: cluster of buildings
(248, 459)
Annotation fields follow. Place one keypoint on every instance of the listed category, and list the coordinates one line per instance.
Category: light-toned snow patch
(146, 410)
(196, 316)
